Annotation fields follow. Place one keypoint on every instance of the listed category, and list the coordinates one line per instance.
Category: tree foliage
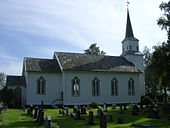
(2, 79)
(159, 63)
(164, 21)
(94, 50)
(7, 96)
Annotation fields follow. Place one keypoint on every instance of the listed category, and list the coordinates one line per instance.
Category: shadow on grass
(30, 124)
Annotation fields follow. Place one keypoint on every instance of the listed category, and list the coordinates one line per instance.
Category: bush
(94, 105)
(146, 100)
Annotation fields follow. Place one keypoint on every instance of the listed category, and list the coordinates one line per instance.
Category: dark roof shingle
(86, 62)
(41, 65)
(15, 80)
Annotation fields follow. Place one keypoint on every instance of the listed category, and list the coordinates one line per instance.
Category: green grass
(15, 118)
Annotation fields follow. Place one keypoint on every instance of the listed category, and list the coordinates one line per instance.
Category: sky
(37, 28)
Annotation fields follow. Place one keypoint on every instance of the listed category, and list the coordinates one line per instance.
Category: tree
(7, 96)
(2, 80)
(94, 50)
(160, 62)
(164, 21)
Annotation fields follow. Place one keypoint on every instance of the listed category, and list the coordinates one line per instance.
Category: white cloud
(73, 25)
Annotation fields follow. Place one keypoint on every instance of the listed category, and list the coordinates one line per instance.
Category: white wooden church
(76, 78)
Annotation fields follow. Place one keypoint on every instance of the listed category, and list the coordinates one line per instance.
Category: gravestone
(135, 110)
(48, 122)
(125, 107)
(83, 110)
(38, 116)
(77, 115)
(63, 113)
(60, 112)
(113, 106)
(28, 111)
(41, 118)
(103, 121)
(35, 112)
(120, 109)
(99, 112)
(105, 107)
(109, 118)
(67, 111)
(31, 111)
(91, 118)
(88, 106)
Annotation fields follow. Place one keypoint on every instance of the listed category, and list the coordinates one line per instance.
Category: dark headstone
(135, 110)
(120, 121)
(91, 118)
(28, 111)
(35, 113)
(48, 122)
(74, 110)
(103, 122)
(125, 107)
(120, 109)
(63, 113)
(83, 110)
(60, 112)
(77, 115)
(39, 113)
(99, 112)
(141, 106)
(41, 119)
(31, 111)
(113, 106)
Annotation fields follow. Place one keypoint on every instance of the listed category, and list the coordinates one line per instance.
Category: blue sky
(37, 28)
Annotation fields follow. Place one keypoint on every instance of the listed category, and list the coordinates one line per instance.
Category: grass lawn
(15, 118)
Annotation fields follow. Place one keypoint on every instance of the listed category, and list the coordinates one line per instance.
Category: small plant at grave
(94, 105)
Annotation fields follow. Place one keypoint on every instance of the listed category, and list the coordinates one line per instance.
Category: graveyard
(85, 117)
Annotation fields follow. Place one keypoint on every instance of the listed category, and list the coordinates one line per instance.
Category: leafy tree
(2, 80)
(7, 96)
(160, 62)
(164, 21)
(94, 50)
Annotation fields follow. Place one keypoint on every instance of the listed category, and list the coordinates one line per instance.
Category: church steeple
(129, 31)
(130, 43)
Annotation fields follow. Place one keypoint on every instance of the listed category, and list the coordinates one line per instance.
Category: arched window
(75, 86)
(131, 88)
(95, 87)
(114, 86)
(41, 83)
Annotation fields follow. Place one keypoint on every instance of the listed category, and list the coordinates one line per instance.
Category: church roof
(86, 62)
(16, 80)
(41, 65)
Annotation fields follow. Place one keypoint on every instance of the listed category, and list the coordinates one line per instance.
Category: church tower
(130, 46)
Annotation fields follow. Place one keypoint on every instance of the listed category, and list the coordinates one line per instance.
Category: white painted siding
(53, 88)
(105, 88)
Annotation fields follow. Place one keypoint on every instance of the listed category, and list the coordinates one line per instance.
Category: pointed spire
(129, 31)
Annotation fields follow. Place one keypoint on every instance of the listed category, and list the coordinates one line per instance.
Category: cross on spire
(128, 3)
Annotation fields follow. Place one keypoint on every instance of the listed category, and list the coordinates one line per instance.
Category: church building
(76, 78)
